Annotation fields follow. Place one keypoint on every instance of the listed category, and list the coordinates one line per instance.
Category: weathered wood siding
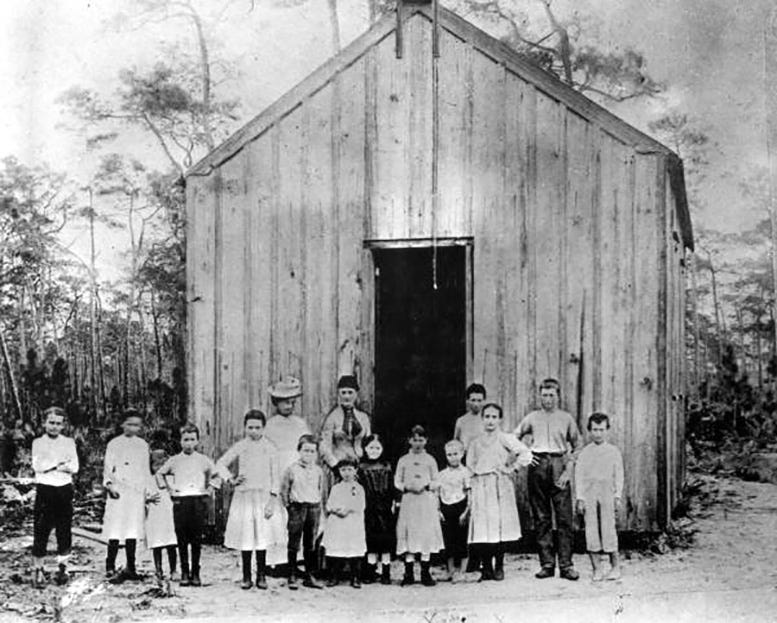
(577, 274)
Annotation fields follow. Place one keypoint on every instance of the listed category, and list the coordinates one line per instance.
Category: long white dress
(284, 432)
(160, 527)
(418, 525)
(257, 461)
(492, 458)
(127, 467)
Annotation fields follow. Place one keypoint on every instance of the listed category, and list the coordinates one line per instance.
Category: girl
(160, 528)
(376, 477)
(255, 500)
(125, 477)
(418, 529)
(344, 533)
(491, 458)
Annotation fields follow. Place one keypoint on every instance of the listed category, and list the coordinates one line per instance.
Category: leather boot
(292, 563)
(408, 578)
(356, 571)
(261, 563)
(385, 575)
(246, 559)
(310, 580)
(426, 576)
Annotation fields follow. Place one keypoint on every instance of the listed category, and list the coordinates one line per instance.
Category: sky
(708, 52)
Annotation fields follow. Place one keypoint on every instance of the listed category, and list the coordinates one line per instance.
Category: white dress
(127, 467)
(160, 527)
(284, 432)
(344, 537)
(418, 524)
(257, 462)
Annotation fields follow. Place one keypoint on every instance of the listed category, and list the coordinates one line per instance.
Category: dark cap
(348, 380)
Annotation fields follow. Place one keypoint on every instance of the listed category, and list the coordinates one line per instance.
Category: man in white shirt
(54, 461)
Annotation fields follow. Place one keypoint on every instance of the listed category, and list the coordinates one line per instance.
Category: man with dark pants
(555, 442)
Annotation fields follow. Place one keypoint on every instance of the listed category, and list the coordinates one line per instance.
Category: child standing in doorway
(377, 478)
(126, 476)
(54, 461)
(418, 529)
(255, 500)
(192, 477)
(598, 489)
(344, 538)
(454, 508)
(160, 527)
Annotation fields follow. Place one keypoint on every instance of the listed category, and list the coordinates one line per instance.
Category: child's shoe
(61, 577)
(195, 581)
(185, 578)
(486, 571)
(408, 578)
(356, 571)
(426, 576)
(370, 574)
(292, 583)
(38, 578)
(247, 583)
(614, 574)
(385, 576)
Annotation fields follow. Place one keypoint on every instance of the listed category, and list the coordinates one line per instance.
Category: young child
(160, 527)
(191, 476)
(344, 538)
(491, 459)
(418, 529)
(454, 508)
(301, 492)
(255, 498)
(54, 461)
(377, 478)
(126, 476)
(598, 489)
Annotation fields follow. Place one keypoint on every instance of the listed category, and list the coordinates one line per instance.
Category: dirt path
(729, 574)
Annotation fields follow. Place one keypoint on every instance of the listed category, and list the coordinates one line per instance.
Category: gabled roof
(486, 44)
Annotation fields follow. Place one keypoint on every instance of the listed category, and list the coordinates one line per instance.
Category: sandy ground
(730, 574)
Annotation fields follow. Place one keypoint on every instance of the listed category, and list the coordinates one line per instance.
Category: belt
(549, 454)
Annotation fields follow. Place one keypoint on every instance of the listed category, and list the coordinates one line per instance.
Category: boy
(126, 473)
(302, 491)
(469, 426)
(193, 476)
(598, 487)
(555, 441)
(54, 460)
(454, 508)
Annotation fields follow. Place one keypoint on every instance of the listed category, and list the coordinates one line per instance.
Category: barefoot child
(344, 539)
(454, 508)
(377, 478)
(192, 475)
(492, 458)
(256, 496)
(302, 488)
(126, 476)
(54, 461)
(160, 527)
(418, 527)
(598, 487)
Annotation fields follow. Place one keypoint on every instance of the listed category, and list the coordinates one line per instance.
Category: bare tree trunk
(742, 351)
(770, 91)
(207, 130)
(758, 354)
(157, 342)
(92, 311)
(719, 328)
(695, 320)
(14, 387)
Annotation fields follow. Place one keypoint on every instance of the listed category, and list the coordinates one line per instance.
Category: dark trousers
(303, 525)
(53, 511)
(454, 535)
(546, 498)
(189, 513)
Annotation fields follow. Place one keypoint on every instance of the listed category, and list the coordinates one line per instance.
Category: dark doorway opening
(420, 344)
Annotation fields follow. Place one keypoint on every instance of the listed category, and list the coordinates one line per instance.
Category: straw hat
(288, 387)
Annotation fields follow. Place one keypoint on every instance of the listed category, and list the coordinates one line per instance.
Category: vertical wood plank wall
(574, 259)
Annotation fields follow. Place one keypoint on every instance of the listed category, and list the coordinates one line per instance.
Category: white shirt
(47, 453)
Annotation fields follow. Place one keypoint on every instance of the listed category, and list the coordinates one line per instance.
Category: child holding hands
(418, 529)
(598, 489)
(54, 461)
(255, 499)
(454, 508)
(160, 526)
(344, 538)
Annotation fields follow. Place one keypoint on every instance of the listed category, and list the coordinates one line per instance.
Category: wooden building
(427, 221)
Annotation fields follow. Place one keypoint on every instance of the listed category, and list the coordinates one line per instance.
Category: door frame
(369, 302)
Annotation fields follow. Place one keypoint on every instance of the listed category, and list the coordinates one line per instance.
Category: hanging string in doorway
(435, 135)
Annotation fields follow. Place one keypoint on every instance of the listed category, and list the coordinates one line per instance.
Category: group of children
(468, 508)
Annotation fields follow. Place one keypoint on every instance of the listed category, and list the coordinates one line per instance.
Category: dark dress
(378, 481)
